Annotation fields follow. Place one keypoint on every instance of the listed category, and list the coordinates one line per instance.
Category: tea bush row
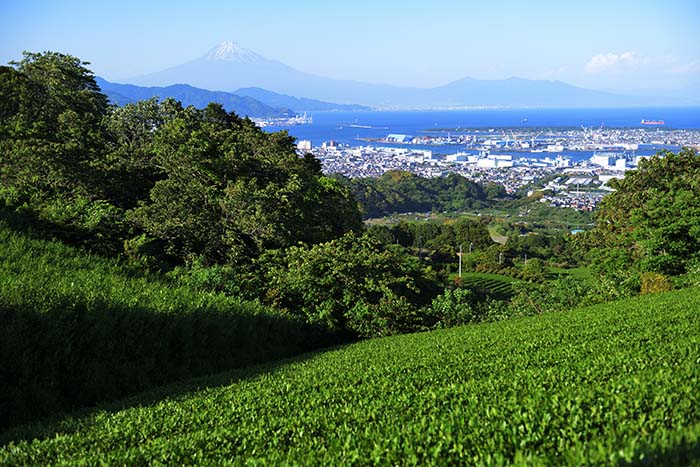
(77, 329)
(508, 271)
(613, 384)
(499, 287)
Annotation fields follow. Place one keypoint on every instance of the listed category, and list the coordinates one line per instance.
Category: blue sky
(598, 44)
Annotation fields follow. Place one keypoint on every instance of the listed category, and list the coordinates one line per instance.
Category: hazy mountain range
(229, 67)
(251, 102)
(122, 94)
(302, 104)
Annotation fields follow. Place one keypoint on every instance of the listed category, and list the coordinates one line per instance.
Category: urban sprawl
(513, 158)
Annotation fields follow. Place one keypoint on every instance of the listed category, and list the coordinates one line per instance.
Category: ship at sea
(653, 122)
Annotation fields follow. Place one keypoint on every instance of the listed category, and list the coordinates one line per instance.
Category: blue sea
(350, 127)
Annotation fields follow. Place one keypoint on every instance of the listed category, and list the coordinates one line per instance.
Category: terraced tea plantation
(493, 284)
(606, 385)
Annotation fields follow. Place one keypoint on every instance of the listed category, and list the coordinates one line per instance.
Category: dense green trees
(399, 192)
(351, 283)
(230, 191)
(52, 147)
(130, 157)
(178, 183)
(50, 129)
(435, 235)
(228, 206)
(652, 222)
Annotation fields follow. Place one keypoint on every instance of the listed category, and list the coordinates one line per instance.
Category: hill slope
(77, 329)
(615, 383)
(121, 94)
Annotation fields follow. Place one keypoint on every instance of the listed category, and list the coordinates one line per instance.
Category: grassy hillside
(610, 384)
(77, 329)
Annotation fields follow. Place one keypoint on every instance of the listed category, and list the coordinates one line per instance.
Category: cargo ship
(653, 122)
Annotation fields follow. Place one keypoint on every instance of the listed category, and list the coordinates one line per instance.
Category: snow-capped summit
(231, 51)
(230, 67)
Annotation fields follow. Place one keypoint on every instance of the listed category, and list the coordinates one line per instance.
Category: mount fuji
(230, 67)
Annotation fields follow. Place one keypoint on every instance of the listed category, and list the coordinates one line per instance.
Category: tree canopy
(652, 221)
(399, 192)
(229, 190)
(352, 283)
(201, 184)
(50, 127)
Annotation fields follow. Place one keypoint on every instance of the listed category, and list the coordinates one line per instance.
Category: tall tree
(51, 134)
(652, 221)
(230, 190)
(351, 283)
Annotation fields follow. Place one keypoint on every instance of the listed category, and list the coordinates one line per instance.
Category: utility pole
(460, 260)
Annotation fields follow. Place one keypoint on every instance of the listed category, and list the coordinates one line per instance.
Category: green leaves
(229, 191)
(654, 216)
(49, 130)
(77, 329)
(204, 183)
(399, 191)
(606, 385)
(351, 283)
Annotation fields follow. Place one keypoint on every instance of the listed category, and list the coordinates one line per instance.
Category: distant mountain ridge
(230, 67)
(122, 94)
(251, 102)
(302, 104)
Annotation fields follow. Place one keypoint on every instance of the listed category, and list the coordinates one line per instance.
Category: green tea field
(613, 384)
(495, 285)
(76, 330)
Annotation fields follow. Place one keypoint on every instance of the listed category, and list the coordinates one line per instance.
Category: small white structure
(621, 164)
(398, 138)
(494, 162)
(459, 157)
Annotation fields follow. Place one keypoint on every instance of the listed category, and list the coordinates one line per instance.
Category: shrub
(344, 283)
(453, 308)
(653, 282)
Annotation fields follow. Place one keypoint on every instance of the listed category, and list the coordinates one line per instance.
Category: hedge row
(508, 271)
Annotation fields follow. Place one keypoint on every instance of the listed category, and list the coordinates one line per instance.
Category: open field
(497, 237)
(604, 385)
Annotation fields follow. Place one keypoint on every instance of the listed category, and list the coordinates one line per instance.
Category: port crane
(506, 139)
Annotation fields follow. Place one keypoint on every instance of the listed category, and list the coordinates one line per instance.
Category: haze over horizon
(628, 46)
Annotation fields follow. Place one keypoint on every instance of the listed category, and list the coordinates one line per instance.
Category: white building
(554, 148)
(494, 162)
(602, 160)
(621, 164)
(459, 157)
